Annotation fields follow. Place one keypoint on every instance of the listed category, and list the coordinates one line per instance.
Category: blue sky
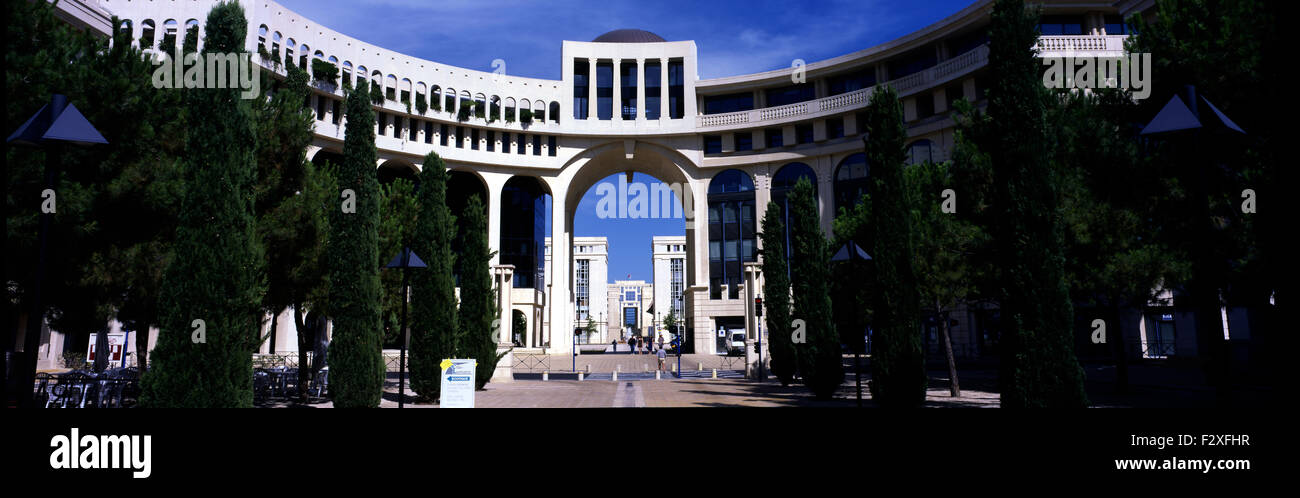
(732, 37)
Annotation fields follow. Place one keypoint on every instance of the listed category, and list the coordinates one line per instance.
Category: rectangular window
(336, 114)
(320, 108)
(834, 128)
(505, 142)
(652, 89)
(1060, 25)
(460, 137)
(491, 140)
(954, 93)
(604, 90)
(583, 290)
(676, 90)
(629, 317)
(442, 137)
(677, 286)
(733, 102)
(712, 144)
(550, 145)
(381, 123)
(857, 80)
(1115, 25)
(744, 141)
(428, 132)
(803, 133)
(775, 137)
(913, 62)
(473, 138)
(924, 105)
(627, 89)
(522, 141)
(580, 91)
(537, 145)
(790, 94)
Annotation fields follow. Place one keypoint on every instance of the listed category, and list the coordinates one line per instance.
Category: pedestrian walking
(663, 357)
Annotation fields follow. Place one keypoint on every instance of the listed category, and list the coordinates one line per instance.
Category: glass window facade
(523, 230)
(712, 144)
(733, 102)
(775, 137)
(653, 73)
(1060, 25)
(845, 83)
(676, 90)
(731, 231)
(582, 292)
(627, 90)
(744, 141)
(580, 90)
(604, 90)
(851, 181)
(790, 94)
(782, 184)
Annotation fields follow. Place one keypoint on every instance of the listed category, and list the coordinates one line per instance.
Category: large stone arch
(581, 173)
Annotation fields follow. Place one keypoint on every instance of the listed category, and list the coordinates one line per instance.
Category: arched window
(435, 97)
(289, 46)
(494, 108)
(302, 56)
(169, 36)
(851, 181)
(783, 183)
(147, 33)
(480, 105)
(555, 111)
(731, 231)
(449, 100)
(361, 74)
(539, 111)
(261, 36)
(510, 109)
(275, 45)
(920, 151)
(405, 89)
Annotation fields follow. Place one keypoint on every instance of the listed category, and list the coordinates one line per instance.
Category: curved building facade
(631, 101)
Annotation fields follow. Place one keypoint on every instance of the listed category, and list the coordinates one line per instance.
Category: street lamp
(847, 253)
(52, 127)
(404, 260)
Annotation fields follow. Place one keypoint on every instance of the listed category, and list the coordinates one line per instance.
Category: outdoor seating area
(282, 382)
(112, 388)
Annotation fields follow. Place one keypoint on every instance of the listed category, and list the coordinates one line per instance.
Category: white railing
(922, 79)
(1077, 43)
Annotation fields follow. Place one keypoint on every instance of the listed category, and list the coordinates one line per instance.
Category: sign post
(458, 383)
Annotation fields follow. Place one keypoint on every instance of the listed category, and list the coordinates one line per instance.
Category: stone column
(561, 328)
(663, 89)
(640, 90)
(503, 278)
(592, 112)
(616, 114)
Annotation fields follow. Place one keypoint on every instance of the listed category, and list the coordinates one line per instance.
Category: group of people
(643, 346)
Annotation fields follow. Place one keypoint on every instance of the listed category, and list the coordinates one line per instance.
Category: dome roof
(629, 36)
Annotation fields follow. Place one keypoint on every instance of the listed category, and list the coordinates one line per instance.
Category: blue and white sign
(458, 383)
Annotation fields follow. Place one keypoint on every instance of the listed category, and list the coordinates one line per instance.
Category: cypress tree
(820, 362)
(477, 309)
(433, 290)
(1038, 366)
(215, 276)
(776, 277)
(357, 367)
(897, 362)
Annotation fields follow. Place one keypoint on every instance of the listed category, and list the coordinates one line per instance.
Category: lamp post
(52, 127)
(847, 253)
(404, 261)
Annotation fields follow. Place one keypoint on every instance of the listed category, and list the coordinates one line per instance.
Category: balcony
(1081, 45)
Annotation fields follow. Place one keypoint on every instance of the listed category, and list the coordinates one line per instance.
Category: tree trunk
(953, 388)
(1121, 356)
(142, 348)
(270, 347)
(304, 343)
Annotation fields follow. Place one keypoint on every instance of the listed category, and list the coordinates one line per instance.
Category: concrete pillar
(503, 277)
(591, 89)
(640, 90)
(663, 89)
(494, 183)
(616, 113)
(561, 329)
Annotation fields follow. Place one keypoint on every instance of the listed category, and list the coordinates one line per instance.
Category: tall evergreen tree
(897, 361)
(357, 366)
(433, 290)
(398, 212)
(1038, 366)
(820, 362)
(216, 275)
(477, 306)
(776, 284)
